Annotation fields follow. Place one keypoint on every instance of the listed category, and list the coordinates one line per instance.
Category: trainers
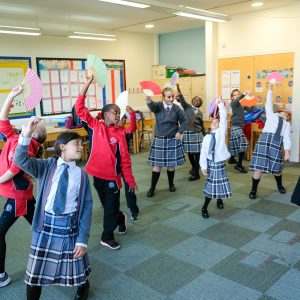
(240, 169)
(135, 216)
(112, 244)
(4, 281)
(123, 227)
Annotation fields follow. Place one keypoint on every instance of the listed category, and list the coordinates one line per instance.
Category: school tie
(61, 193)
(212, 145)
(279, 128)
(167, 108)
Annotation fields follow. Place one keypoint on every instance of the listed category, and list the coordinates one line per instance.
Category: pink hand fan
(32, 89)
(150, 88)
(275, 77)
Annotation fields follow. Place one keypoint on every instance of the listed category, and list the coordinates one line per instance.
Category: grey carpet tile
(165, 273)
(285, 224)
(229, 235)
(258, 277)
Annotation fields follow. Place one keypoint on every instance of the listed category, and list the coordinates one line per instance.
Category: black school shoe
(194, 177)
(220, 204)
(150, 193)
(172, 188)
(281, 189)
(252, 195)
(205, 214)
(232, 161)
(240, 169)
(83, 291)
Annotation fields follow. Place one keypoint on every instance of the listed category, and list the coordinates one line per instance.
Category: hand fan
(150, 88)
(122, 102)
(275, 77)
(249, 101)
(174, 79)
(97, 68)
(32, 90)
(212, 107)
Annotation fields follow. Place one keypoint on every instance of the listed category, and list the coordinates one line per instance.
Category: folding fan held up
(249, 101)
(275, 77)
(32, 90)
(174, 79)
(150, 88)
(97, 68)
(122, 102)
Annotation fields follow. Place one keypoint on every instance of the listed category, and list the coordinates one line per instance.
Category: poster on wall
(12, 73)
(63, 78)
(231, 80)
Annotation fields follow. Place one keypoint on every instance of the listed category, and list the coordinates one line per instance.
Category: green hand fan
(97, 68)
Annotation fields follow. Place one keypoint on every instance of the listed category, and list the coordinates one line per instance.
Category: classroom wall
(138, 51)
(267, 32)
(183, 48)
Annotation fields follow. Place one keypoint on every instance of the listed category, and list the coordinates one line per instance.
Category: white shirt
(221, 151)
(165, 105)
(73, 187)
(272, 123)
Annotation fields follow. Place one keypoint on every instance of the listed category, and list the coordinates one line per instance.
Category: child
(166, 149)
(267, 156)
(212, 161)
(62, 218)
(109, 160)
(15, 185)
(129, 131)
(193, 136)
(238, 142)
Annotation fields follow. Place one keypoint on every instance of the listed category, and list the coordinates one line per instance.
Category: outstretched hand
(30, 127)
(15, 91)
(219, 100)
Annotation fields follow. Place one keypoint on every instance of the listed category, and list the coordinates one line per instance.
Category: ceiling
(61, 17)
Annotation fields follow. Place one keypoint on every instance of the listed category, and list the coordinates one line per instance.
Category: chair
(144, 132)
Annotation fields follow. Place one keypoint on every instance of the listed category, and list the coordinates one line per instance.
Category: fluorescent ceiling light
(90, 38)
(20, 32)
(15, 27)
(127, 3)
(96, 34)
(257, 4)
(199, 17)
(149, 26)
(207, 11)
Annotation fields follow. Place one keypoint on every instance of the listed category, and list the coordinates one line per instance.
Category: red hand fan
(249, 101)
(32, 90)
(150, 88)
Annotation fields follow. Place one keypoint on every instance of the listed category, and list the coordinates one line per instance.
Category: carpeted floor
(249, 250)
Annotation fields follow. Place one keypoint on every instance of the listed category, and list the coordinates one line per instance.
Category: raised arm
(181, 99)
(223, 115)
(269, 102)
(8, 102)
(153, 106)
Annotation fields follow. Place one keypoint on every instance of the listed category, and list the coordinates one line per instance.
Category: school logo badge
(8, 207)
(113, 140)
(111, 184)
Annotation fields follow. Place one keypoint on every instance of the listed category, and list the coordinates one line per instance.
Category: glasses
(170, 97)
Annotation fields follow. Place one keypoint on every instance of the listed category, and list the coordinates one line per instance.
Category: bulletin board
(12, 73)
(63, 78)
(253, 75)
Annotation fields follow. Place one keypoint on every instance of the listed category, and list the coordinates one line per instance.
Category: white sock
(2, 275)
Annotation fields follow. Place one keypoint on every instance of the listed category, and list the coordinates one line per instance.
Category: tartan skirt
(217, 183)
(267, 156)
(51, 255)
(166, 152)
(192, 141)
(237, 142)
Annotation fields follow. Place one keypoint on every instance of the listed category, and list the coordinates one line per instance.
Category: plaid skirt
(237, 142)
(51, 255)
(192, 141)
(166, 152)
(217, 183)
(267, 156)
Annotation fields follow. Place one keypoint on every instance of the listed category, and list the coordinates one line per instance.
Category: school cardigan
(43, 170)
(194, 119)
(237, 118)
(272, 120)
(15, 188)
(109, 157)
(221, 151)
(166, 124)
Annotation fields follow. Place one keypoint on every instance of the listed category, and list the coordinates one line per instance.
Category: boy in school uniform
(15, 185)
(214, 153)
(193, 136)
(267, 155)
(238, 142)
(109, 160)
(62, 218)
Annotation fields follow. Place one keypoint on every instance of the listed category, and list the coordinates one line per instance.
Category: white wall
(266, 32)
(138, 51)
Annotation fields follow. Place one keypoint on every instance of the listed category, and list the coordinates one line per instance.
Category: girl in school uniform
(15, 185)
(109, 160)
(268, 156)
(166, 149)
(193, 136)
(213, 155)
(62, 217)
(238, 142)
